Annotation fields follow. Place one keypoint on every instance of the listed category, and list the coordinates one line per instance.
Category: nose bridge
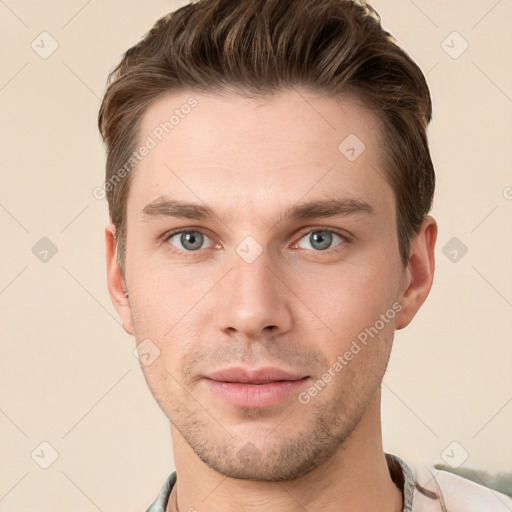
(251, 273)
(252, 297)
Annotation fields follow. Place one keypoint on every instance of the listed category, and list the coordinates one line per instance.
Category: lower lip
(255, 396)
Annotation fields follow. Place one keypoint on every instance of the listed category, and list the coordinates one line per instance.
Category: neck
(356, 478)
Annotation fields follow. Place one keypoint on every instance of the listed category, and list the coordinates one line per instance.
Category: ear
(115, 280)
(417, 278)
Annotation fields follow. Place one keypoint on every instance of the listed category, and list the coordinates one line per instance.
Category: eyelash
(340, 246)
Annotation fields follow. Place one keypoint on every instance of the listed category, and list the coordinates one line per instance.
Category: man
(269, 180)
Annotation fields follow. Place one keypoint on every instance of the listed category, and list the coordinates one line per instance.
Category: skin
(295, 306)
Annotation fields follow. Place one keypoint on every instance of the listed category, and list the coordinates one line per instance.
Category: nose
(253, 300)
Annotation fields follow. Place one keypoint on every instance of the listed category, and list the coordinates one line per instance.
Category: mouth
(254, 388)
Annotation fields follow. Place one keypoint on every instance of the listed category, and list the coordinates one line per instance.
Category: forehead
(289, 145)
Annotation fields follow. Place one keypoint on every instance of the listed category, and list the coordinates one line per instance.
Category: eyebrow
(166, 207)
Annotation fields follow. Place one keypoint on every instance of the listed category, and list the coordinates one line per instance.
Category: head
(268, 181)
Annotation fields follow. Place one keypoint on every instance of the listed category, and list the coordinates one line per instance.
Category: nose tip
(253, 302)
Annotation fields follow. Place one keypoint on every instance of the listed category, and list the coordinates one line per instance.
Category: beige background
(67, 372)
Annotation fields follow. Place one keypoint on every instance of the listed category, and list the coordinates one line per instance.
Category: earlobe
(115, 280)
(419, 274)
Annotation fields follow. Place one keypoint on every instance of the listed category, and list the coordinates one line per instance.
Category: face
(264, 275)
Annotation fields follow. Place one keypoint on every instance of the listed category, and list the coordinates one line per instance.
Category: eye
(321, 240)
(188, 241)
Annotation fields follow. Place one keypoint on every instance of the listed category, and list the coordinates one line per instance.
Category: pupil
(191, 240)
(321, 240)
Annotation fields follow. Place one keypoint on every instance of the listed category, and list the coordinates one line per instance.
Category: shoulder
(455, 493)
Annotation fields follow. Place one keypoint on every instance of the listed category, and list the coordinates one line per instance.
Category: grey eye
(189, 240)
(320, 240)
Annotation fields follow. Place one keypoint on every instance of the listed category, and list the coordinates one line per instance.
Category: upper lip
(253, 376)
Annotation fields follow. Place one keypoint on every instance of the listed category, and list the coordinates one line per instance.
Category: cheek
(350, 302)
(348, 298)
(169, 313)
(163, 297)
(162, 383)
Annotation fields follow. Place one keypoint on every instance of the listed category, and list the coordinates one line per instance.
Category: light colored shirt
(424, 490)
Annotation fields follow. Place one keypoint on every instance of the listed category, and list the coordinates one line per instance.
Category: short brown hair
(261, 47)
